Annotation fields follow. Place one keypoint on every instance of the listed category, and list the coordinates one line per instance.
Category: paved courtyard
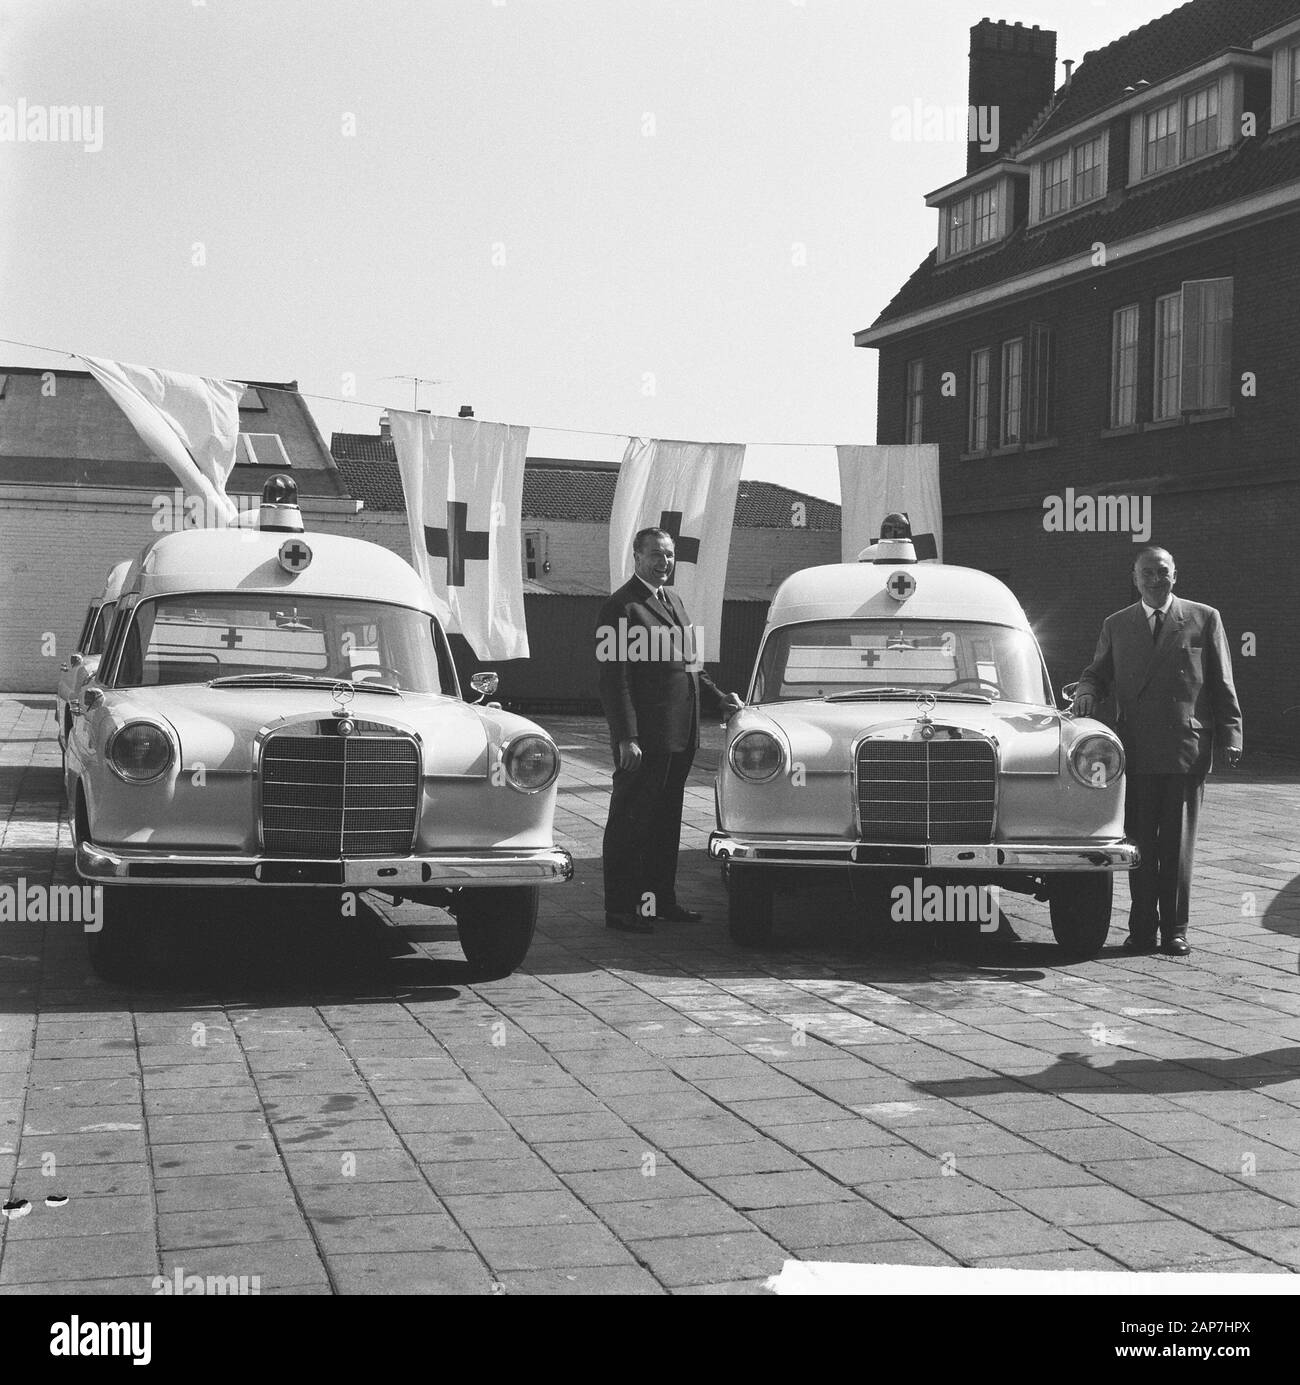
(332, 1108)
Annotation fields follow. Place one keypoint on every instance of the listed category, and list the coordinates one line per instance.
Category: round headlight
(757, 756)
(1097, 761)
(531, 763)
(140, 751)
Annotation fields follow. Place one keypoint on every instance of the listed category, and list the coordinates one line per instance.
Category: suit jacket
(648, 690)
(1175, 697)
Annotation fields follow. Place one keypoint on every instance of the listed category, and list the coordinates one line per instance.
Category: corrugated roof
(579, 492)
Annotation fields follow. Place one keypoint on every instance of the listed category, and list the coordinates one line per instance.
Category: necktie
(1155, 626)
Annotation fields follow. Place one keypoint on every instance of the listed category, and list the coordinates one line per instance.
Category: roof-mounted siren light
(894, 545)
(279, 512)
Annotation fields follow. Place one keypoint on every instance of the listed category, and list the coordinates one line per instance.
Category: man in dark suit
(1167, 662)
(651, 687)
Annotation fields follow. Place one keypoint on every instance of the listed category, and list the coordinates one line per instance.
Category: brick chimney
(1012, 69)
(385, 426)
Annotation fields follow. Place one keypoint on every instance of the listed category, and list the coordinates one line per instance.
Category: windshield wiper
(299, 680)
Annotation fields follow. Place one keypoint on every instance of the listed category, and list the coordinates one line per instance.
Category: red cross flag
(878, 481)
(189, 422)
(689, 490)
(464, 486)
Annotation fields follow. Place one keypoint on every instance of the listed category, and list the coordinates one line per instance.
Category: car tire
(1080, 906)
(495, 927)
(749, 906)
(117, 948)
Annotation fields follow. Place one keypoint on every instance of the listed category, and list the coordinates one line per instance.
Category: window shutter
(1136, 146)
(1281, 85)
(1207, 343)
(1038, 403)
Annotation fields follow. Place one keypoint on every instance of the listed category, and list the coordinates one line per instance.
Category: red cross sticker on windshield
(901, 585)
(294, 555)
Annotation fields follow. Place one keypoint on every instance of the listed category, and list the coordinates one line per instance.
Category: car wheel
(749, 906)
(495, 927)
(1080, 909)
(117, 947)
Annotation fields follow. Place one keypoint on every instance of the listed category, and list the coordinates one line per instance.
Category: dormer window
(1201, 122)
(975, 212)
(986, 216)
(1088, 170)
(1070, 178)
(1160, 147)
(1056, 184)
(959, 227)
(1185, 128)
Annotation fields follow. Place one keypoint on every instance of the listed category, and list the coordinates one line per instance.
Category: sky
(662, 218)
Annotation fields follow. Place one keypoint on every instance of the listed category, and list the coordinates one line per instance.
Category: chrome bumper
(452, 870)
(1016, 856)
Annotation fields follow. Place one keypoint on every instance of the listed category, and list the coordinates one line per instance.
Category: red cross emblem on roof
(901, 585)
(294, 555)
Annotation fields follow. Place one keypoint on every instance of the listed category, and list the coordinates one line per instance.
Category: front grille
(940, 791)
(329, 796)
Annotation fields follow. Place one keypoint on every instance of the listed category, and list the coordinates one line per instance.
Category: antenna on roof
(417, 381)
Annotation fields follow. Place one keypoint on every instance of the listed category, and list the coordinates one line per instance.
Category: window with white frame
(1056, 184)
(914, 395)
(1013, 387)
(1087, 170)
(977, 434)
(1124, 366)
(1167, 395)
(1206, 344)
(959, 226)
(986, 216)
(1295, 82)
(1201, 122)
(1160, 147)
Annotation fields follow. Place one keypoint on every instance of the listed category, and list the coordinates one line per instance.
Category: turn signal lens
(1097, 761)
(531, 763)
(756, 756)
(140, 751)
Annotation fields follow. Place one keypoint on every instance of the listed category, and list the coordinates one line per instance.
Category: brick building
(565, 558)
(79, 492)
(1105, 339)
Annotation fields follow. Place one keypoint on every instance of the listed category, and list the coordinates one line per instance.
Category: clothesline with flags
(462, 479)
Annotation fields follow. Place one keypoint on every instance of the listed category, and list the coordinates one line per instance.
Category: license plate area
(970, 856)
(383, 875)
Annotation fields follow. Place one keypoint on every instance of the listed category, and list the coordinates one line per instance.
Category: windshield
(197, 638)
(828, 658)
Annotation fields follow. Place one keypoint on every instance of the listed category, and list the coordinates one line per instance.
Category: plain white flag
(464, 486)
(188, 422)
(688, 489)
(878, 481)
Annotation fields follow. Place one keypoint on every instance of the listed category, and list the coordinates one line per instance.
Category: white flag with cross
(689, 490)
(464, 485)
(889, 479)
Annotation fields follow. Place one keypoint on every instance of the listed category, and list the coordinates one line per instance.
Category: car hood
(1028, 735)
(216, 727)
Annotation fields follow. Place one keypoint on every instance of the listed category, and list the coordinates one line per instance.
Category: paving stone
(545, 1101)
(1093, 1204)
(774, 1113)
(1151, 1177)
(583, 1279)
(1229, 1212)
(218, 1156)
(409, 1272)
(678, 1262)
(348, 1197)
(78, 1257)
(131, 1285)
(466, 1146)
(364, 1165)
(548, 1247)
(912, 1250)
(1150, 1245)
(82, 1181)
(1072, 1260)
(229, 1226)
(551, 1129)
(721, 1128)
(370, 1232)
(934, 1195)
(194, 1129)
(185, 1101)
(827, 1224)
(579, 1156)
(837, 1134)
(490, 1176)
(1007, 1171)
(446, 1119)
(751, 1190)
(878, 1162)
(1279, 1244)
(631, 1185)
(85, 1216)
(106, 1147)
(266, 1266)
(664, 1216)
(977, 1235)
(535, 1208)
(222, 1191)
(753, 1156)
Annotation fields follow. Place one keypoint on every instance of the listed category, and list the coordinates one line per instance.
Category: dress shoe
(679, 915)
(1133, 943)
(629, 923)
(1177, 946)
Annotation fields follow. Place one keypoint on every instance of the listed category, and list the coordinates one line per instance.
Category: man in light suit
(1167, 662)
(651, 688)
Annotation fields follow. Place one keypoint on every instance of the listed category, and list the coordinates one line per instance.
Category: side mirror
(1067, 693)
(485, 684)
(75, 661)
